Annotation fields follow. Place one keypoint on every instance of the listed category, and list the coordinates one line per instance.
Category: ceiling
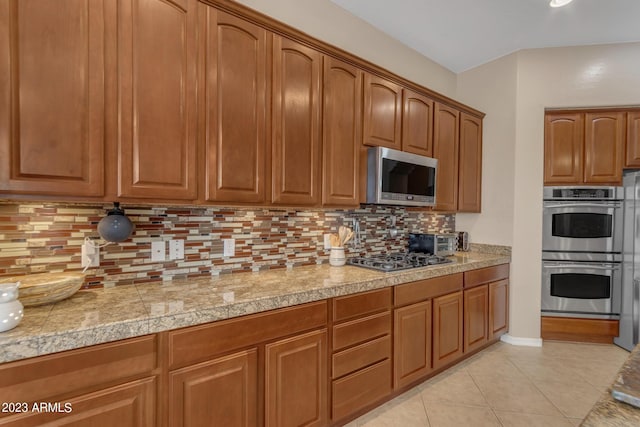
(462, 34)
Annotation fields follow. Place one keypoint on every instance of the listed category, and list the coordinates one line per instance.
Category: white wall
(556, 77)
(330, 23)
(492, 88)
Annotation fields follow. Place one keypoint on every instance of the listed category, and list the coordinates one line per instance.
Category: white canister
(11, 310)
(336, 256)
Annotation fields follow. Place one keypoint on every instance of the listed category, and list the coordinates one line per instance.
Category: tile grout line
(540, 391)
(491, 408)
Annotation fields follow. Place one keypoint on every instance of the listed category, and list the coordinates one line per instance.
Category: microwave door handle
(589, 267)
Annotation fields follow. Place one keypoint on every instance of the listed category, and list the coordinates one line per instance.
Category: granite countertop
(609, 412)
(97, 316)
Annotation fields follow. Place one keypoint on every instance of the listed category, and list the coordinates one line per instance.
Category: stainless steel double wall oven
(582, 252)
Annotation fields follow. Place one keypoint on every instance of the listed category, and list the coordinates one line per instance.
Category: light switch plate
(229, 247)
(158, 250)
(176, 249)
(90, 255)
(327, 241)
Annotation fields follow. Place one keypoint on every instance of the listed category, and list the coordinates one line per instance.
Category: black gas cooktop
(398, 261)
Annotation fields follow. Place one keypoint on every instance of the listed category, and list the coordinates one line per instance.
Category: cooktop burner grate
(398, 261)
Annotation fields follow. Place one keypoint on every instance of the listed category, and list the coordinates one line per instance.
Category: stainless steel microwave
(398, 178)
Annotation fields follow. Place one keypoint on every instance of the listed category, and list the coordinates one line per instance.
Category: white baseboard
(529, 342)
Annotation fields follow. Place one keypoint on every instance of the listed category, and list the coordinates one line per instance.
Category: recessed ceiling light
(559, 3)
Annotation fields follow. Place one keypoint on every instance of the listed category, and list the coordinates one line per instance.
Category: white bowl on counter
(11, 310)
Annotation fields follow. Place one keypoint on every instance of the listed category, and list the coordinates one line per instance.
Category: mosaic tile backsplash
(45, 237)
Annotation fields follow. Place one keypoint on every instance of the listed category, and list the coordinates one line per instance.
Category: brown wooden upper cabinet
(342, 119)
(604, 147)
(632, 157)
(157, 99)
(52, 94)
(296, 124)
(470, 164)
(563, 148)
(446, 143)
(382, 112)
(397, 118)
(584, 147)
(235, 79)
(177, 101)
(417, 123)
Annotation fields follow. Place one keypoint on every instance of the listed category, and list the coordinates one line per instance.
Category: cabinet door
(470, 164)
(604, 147)
(447, 329)
(127, 405)
(156, 99)
(498, 308)
(411, 343)
(445, 149)
(342, 121)
(52, 78)
(476, 321)
(235, 105)
(382, 112)
(563, 147)
(296, 123)
(417, 123)
(220, 392)
(632, 158)
(296, 381)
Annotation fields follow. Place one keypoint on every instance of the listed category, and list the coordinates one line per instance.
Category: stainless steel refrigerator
(630, 315)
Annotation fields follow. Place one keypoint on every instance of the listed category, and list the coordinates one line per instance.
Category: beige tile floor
(505, 385)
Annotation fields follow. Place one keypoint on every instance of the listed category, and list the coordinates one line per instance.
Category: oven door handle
(580, 266)
(581, 205)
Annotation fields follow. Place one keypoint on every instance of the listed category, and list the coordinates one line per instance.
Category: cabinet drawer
(78, 371)
(485, 275)
(360, 389)
(127, 405)
(361, 330)
(348, 361)
(361, 304)
(199, 343)
(421, 290)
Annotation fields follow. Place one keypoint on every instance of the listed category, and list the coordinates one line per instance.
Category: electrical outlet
(176, 249)
(327, 241)
(229, 247)
(90, 255)
(158, 250)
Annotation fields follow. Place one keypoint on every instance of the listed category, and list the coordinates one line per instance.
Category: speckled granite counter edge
(609, 412)
(41, 343)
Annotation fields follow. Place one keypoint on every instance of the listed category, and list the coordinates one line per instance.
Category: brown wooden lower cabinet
(580, 330)
(447, 329)
(105, 385)
(269, 368)
(360, 389)
(222, 392)
(127, 405)
(296, 381)
(412, 343)
(476, 313)
(361, 346)
(498, 308)
(277, 374)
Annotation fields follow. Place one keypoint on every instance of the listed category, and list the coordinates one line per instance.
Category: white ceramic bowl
(11, 310)
(9, 291)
